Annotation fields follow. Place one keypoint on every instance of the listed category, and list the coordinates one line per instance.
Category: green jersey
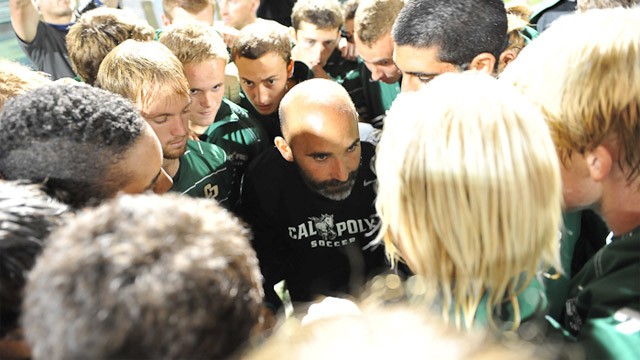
(603, 310)
(204, 172)
(239, 135)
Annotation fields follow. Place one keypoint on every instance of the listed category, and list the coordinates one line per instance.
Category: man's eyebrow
(421, 74)
(155, 179)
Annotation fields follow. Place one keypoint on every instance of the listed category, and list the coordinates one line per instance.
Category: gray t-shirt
(48, 51)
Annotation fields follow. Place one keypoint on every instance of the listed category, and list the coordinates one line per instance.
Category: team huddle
(375, 178)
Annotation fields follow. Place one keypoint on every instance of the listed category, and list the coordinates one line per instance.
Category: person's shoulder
(269, 163)
(204, 152)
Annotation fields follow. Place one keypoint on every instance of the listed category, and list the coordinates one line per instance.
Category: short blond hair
(194, 42)
(469, 192)
(324, 14)
(260, 38)
(143, 72)
(374, 19)
(99, 31)
(589, 90)
(190, 6)
(17, 79)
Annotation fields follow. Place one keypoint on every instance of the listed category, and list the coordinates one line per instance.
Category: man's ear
(290, 69)
(483, 62)
(165, 20)
(507, 57)
(292, 34)
(600, 162)
(255, 5)
(284, 148)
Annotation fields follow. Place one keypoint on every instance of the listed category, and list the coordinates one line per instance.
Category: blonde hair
(324, 14)
(393, 332)
(142, 72)
(260, 38)
(374, 19)
(469, 192)
(190, 6)
(589, 89)
(99, 31)
(194, 42)
(17, 79)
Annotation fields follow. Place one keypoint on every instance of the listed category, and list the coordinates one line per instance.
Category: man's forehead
(163, 103)
(309, 29)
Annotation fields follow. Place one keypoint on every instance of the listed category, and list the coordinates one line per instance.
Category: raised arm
(24, 19)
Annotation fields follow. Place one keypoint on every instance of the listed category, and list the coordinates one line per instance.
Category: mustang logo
(325, 226)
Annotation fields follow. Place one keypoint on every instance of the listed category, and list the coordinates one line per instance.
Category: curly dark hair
(70, 137)
(27, 215)
(145, 276)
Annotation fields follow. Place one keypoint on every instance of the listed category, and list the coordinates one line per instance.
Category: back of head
(324, 14)
(459, 29)
(349, 8)
(260, 38)
(70, 137)
(144, 277)
(194, 42)
(589, 90)
(469, 189)
(586, 5)
(190, 6)
(27, 215)
(16, 79)
(99, 31)
(374, 19)
(397, 332)
(142, 72)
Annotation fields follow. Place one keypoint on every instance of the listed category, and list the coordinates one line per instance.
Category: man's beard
(331, 189)
(174, 153)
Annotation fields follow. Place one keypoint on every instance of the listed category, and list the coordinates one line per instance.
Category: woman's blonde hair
(469, 192)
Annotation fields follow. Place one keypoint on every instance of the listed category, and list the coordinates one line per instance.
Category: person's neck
(58, 19)
(171, 166)
(620, 206)
(198, 129)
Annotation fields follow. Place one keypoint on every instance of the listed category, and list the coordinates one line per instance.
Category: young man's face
(328, 159)
(143, 166)
(168, 117)
(315, 45)
(379, 59)
(56, 7)
(264, 81)
(419, 66)
(238, 13)
(206, 82)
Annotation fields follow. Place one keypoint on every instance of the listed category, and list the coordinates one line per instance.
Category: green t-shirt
(532, 303)
(204, 172)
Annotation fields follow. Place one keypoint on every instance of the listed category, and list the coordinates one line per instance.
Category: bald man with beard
(310, 200)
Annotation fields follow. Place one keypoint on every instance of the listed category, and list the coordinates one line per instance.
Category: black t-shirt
(314, 243)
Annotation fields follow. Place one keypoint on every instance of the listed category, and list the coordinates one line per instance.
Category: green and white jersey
(239, 135)
(204, 172)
